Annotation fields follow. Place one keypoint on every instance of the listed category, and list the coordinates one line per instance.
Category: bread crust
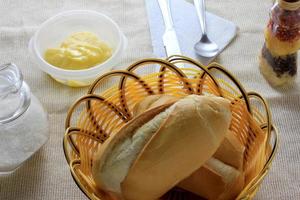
(231, 151)
(208, 181)
(153, 101)
(186, 140)
(215, 180)
(129, 129)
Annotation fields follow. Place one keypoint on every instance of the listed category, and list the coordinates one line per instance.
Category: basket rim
(171, 63)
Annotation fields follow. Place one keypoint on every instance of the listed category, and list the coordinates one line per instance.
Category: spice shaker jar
(278, 59)
(23, 121)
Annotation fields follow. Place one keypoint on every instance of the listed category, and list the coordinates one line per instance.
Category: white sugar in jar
(23, 121)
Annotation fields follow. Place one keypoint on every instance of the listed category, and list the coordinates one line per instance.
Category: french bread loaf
(215, 180)
(222, 176)
(161, 147)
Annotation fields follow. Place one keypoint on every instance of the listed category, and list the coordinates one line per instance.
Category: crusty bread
(106, 178)
(231, 151)
(215, 180)
(153, 101)
(222, 177)
(161, 147)
(210, 181)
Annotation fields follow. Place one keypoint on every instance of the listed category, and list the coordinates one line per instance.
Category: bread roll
(153, 101)
(215, 180)
(231, 151)
(161, 147)
(222, 176)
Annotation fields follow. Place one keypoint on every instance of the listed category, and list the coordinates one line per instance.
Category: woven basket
(105, 110)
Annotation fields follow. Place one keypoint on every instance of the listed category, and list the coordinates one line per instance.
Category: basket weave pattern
(99, 114)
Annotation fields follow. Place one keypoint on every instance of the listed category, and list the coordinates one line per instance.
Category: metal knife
(170, 40)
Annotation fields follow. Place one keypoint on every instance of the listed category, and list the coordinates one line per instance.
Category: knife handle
(166, 13)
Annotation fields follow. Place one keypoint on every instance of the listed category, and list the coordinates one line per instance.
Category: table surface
(46, 175)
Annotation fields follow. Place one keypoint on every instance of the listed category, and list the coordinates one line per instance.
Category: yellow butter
(80, 50)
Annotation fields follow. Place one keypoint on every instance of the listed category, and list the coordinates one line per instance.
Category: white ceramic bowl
(53, 31)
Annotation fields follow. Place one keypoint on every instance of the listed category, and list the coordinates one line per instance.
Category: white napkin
(187, 27)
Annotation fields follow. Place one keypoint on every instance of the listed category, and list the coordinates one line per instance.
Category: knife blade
(170, 39)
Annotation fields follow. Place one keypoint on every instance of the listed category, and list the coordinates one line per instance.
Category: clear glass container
(278, 60)
(23, 121)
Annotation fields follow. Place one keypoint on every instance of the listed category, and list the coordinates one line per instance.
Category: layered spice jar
(278, 58)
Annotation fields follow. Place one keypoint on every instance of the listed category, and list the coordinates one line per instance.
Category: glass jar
(278, 59)
(23, 121)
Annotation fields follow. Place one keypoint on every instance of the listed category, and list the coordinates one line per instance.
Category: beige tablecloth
(46, 175)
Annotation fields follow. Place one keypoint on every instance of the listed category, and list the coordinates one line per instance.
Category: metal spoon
(205, 47)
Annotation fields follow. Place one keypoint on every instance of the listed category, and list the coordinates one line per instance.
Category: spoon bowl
(206, 48)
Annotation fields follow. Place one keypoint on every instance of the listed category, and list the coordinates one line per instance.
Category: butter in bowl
(75, 47)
